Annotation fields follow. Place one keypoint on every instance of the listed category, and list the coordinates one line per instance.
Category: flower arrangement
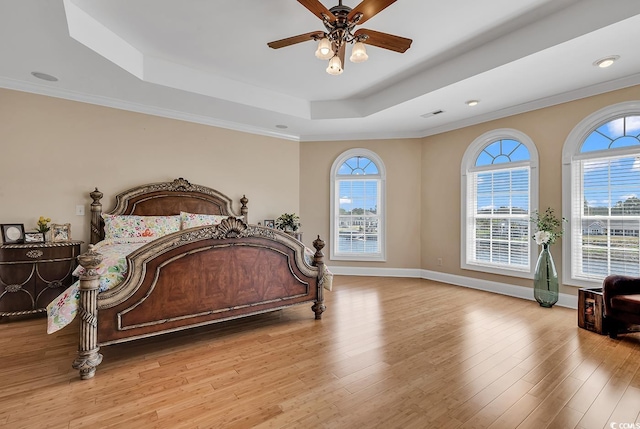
(43, 224)
(548, 226)
(288, 222)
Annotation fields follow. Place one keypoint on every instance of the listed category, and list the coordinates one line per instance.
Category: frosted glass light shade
(324, 51)
(358, 53)
(335, 66)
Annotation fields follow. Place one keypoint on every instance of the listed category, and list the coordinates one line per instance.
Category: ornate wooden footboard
(195, 277)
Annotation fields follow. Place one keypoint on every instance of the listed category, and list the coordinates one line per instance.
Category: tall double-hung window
(357, 207)
(499, 194)
(602, 168)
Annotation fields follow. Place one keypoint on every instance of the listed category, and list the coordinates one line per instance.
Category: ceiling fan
(340, 22)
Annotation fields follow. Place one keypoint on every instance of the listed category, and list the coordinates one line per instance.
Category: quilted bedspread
(62, 310)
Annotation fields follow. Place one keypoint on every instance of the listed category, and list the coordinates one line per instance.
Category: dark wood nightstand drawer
(32, 252)
(31, 275)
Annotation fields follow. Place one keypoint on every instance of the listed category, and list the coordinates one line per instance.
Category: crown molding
(138, 108)
(585, 92)
(565, 97)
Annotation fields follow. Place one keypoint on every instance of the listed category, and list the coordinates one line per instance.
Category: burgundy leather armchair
(621, 295)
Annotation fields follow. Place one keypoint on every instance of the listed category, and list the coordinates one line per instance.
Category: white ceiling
(208, 61)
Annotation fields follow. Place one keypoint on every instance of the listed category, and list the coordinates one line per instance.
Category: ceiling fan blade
(368, 8)
(318, 9)
(384, 40)
(296, 39)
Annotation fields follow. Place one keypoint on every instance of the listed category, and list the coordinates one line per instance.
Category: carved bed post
(96, 216)
(318, 260)
(244, 210)
(88, 357)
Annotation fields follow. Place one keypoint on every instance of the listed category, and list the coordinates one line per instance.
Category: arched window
(601, 179)
(499, 194)
(357, 207)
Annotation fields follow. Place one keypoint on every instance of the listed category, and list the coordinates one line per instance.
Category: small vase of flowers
(43, 225)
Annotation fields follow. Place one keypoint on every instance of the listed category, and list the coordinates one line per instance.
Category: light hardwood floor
(389, 353)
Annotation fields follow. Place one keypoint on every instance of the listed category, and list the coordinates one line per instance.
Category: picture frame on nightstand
(60, 232)
(12, 233)
(34, 237)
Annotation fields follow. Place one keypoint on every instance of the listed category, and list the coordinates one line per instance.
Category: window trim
(382, 210)
(571, 153)
(468, 164)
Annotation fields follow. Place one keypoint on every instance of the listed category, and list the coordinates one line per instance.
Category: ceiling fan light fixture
(358, 53)
(339, 23)
(324, 51)
(335, 66)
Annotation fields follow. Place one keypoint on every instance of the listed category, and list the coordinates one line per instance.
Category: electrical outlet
(79, 210)
(439, 262)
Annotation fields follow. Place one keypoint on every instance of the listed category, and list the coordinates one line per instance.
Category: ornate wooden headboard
(164, 199)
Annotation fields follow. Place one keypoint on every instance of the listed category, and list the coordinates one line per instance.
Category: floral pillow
(192, 220)
(129, 226)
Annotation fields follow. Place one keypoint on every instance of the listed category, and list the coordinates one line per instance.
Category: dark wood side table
(31, 275)
(591, 310)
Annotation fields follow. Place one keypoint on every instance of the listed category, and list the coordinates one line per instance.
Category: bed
(193, 276)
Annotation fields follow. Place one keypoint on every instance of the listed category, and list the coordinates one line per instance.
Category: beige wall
(402, 162)
(441, 162)
(54, 152)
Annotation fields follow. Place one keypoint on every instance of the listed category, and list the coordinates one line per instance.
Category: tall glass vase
(545, 280)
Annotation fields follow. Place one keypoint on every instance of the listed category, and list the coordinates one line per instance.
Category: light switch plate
(79, 210)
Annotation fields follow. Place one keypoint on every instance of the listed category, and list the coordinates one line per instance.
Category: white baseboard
(564, 300)
(376, 272)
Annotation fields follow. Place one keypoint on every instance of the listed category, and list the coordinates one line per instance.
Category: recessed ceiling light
(472, 102)
(606, 62)
(45, 76)
(282, 127)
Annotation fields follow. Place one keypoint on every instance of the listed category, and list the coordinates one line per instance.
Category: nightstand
(32, 275)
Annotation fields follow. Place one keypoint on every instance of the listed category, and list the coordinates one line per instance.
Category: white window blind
(358, 220)
(498, 208)
(605, 216)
